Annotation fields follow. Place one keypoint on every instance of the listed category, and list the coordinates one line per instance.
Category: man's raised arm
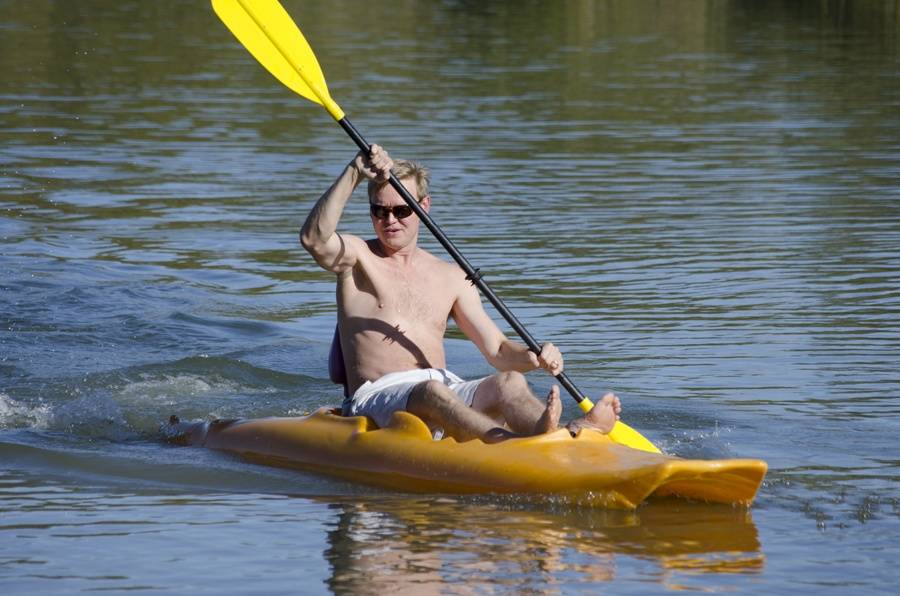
(319, 236)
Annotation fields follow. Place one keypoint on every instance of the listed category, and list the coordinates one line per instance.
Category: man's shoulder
(451, 270)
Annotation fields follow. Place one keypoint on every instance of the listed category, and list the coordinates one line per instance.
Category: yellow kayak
(588, 469)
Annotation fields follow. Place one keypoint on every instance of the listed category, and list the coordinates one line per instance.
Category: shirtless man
(394, 300)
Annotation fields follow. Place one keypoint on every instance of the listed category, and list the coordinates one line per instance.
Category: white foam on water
(14, 414)
(171, 389)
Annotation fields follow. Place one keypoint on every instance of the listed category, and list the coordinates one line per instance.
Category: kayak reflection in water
(394, 300)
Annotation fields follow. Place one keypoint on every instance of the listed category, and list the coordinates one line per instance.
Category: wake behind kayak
(588, 469)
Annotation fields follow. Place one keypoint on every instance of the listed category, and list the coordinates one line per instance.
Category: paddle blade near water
(625, 435)
(267, 31)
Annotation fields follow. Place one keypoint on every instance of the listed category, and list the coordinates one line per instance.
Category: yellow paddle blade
(625, 435)
(268, 32)
(622, 433)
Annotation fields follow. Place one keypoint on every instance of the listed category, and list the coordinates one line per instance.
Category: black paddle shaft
(472, 274)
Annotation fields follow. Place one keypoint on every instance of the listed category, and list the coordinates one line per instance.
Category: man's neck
(402, 256)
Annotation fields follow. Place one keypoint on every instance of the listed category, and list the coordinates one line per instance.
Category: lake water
(697, 201)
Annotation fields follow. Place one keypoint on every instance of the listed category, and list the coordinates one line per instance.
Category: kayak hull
(587, 469)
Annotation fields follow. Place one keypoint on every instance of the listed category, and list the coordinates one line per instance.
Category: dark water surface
(698, 201)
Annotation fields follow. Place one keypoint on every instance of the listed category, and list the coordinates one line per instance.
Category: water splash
(15, 414)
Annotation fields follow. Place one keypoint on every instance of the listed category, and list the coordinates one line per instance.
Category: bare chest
(417, 296)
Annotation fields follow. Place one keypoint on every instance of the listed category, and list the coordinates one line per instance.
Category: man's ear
(426, 203)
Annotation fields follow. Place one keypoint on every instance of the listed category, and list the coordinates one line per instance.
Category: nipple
(380, 305)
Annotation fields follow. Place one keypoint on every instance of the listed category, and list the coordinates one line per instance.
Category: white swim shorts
(381, 398)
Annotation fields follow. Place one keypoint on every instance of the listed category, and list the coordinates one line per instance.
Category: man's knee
(511, 384)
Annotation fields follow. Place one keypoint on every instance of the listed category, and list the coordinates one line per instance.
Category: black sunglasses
(399, 211)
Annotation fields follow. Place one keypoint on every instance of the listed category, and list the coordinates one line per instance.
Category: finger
(546, 357)
(382, 163)
(380, 159)
(552, 355)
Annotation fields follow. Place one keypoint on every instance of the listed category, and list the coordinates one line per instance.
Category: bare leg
(437, 405)
(506, 396)
(602, 416)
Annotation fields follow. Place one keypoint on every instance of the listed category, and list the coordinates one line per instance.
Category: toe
(553, 396)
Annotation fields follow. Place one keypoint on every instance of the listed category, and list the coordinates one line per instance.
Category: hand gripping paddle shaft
(272, 37)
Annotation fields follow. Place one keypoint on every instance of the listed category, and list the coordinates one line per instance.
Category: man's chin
(394, 240)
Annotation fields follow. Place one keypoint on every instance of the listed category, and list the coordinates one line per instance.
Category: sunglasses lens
(382, 212)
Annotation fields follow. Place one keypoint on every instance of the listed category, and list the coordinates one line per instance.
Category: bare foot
(602, 416)
(549, 420)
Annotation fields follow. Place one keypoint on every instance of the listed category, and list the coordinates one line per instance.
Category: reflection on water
(429, 544)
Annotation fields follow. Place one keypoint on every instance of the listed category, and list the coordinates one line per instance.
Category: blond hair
(404, 169)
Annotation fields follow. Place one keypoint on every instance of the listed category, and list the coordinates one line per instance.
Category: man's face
(393, 232)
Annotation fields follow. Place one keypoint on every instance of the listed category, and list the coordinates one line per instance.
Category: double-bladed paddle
(272, 37)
